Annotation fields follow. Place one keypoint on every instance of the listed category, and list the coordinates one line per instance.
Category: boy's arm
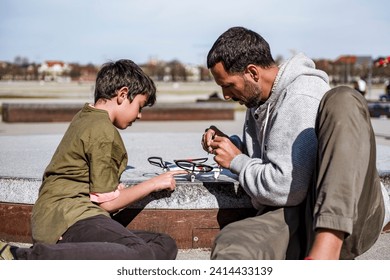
(127, 196)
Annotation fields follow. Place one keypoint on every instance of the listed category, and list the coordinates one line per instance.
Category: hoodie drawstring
(264, 132)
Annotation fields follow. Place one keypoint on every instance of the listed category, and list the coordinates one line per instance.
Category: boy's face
(128, 112)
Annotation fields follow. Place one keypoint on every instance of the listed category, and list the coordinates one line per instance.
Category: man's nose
(226, 94)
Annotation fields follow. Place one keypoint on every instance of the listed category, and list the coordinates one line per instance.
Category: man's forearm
(327, 245)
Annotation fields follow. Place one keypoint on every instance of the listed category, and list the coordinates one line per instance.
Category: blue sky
(94, 31)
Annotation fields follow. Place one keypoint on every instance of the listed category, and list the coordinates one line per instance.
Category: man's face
(238, 87)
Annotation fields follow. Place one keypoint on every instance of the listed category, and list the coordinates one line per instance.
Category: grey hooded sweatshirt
(279, 143)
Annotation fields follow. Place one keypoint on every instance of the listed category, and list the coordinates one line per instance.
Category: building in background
(54, 70)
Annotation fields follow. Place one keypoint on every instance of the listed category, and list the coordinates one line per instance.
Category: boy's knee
(144, 252)
(164, 247)
(169, 247)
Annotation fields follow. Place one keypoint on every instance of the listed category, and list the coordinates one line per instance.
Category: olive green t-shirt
(90, 158)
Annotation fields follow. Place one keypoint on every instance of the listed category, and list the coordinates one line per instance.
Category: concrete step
(64, 112)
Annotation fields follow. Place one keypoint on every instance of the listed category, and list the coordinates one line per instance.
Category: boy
(80, 188)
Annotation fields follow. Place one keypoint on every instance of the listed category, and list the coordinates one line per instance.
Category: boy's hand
(127, 196)
(166, 181)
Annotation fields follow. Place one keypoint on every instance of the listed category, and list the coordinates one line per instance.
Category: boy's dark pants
(103, 238)
(346, 195)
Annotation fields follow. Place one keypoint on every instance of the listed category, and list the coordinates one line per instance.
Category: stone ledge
(385, 178)
(204, 193)
(192, 214)
(64, 112)
(190, 228)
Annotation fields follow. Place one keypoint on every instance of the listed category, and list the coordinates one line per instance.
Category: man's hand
(224, 150)
(218, 143)
(208, 137)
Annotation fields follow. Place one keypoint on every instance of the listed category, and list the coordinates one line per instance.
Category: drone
(193, 166)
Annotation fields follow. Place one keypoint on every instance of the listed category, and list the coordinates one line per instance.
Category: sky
(97, 31)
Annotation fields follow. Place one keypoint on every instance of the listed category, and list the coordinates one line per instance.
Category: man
(276, 159)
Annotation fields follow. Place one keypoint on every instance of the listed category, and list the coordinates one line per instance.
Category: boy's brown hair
(124, 73)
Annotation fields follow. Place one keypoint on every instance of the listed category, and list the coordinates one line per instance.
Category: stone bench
(64, 112)
(192, 214)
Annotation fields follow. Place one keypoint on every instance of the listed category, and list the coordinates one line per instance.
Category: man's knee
(343, 99)
(343, 107)
(262, 237)
(342, 93)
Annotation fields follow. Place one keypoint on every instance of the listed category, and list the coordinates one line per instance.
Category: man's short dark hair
(238, 47)
(124, 73)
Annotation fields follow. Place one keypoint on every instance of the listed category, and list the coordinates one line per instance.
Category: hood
(297, 66)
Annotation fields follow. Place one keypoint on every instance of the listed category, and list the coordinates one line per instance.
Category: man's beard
(254, 93)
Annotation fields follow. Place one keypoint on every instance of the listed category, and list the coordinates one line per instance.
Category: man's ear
(252, 70)
(122, 94)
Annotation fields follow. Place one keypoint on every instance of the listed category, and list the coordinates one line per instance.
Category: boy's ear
(122, 94)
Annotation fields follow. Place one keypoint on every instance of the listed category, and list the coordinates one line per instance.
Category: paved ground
(380, 251)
